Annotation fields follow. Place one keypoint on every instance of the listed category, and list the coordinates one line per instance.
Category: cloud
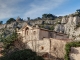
(26, 8)
(38, 7)
(8, 8)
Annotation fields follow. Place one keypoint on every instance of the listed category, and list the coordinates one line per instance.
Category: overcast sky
(35, 8)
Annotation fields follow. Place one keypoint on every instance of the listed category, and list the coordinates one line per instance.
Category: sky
(35, 8)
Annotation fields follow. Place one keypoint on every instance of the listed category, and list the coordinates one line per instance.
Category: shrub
(68, 48)
(10, 20)
(26, 54)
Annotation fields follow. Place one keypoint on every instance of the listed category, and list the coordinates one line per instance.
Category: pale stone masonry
(43, 40)
(75, 53)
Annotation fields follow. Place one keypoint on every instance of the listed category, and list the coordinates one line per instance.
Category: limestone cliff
(70, 25)
(7, 29)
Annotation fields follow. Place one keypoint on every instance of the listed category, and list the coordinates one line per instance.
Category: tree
(78, 10)
(26, 54)
(38, 18)
(49, 16)
(43, 22)
(44, 16)
(28, 18)
(1, 22)
(10, 20)
(51, 28)
(8, 41)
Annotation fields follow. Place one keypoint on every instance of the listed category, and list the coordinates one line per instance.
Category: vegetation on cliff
(49, 16)
(68, 48)
(10, 20)
(8, 41)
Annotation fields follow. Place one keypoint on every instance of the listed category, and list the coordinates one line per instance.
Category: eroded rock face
(68, 25)
(10, 28)
(64, 20)
(75, 53)
(59, 28)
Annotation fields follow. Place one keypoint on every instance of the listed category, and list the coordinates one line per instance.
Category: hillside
(9, 27)
(68, 24)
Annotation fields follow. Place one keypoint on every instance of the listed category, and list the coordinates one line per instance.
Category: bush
(26, 54)
(8, 41)
(68, 48)
(10, 20)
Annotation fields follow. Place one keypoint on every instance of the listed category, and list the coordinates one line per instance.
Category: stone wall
(58, 47)
(40, 40)
(54, 47)
(75, 53)
(39, 45)
(33, 33)
(43, 34)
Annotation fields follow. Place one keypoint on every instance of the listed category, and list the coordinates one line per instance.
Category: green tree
(1, 22)
(49, 16)
(38, 18)
(28, 18)
(26, 54)
(10, 20)
(44, 16)
(78, 10)
(8, 42)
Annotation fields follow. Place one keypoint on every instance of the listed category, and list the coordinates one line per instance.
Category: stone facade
(36, 33)
(43, 40)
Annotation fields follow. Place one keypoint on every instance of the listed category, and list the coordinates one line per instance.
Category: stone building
(43, 41)
(35, 33)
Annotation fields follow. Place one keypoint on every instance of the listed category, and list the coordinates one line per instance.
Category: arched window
(26, 32)
(27, 28)
(42, 48)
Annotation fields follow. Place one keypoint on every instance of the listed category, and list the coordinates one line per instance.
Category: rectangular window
(34, 32)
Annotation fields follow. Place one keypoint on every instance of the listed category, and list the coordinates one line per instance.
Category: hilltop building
(42, 40)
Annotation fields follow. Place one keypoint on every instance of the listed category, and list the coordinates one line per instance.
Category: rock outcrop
(7, 29)
(70, 25)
